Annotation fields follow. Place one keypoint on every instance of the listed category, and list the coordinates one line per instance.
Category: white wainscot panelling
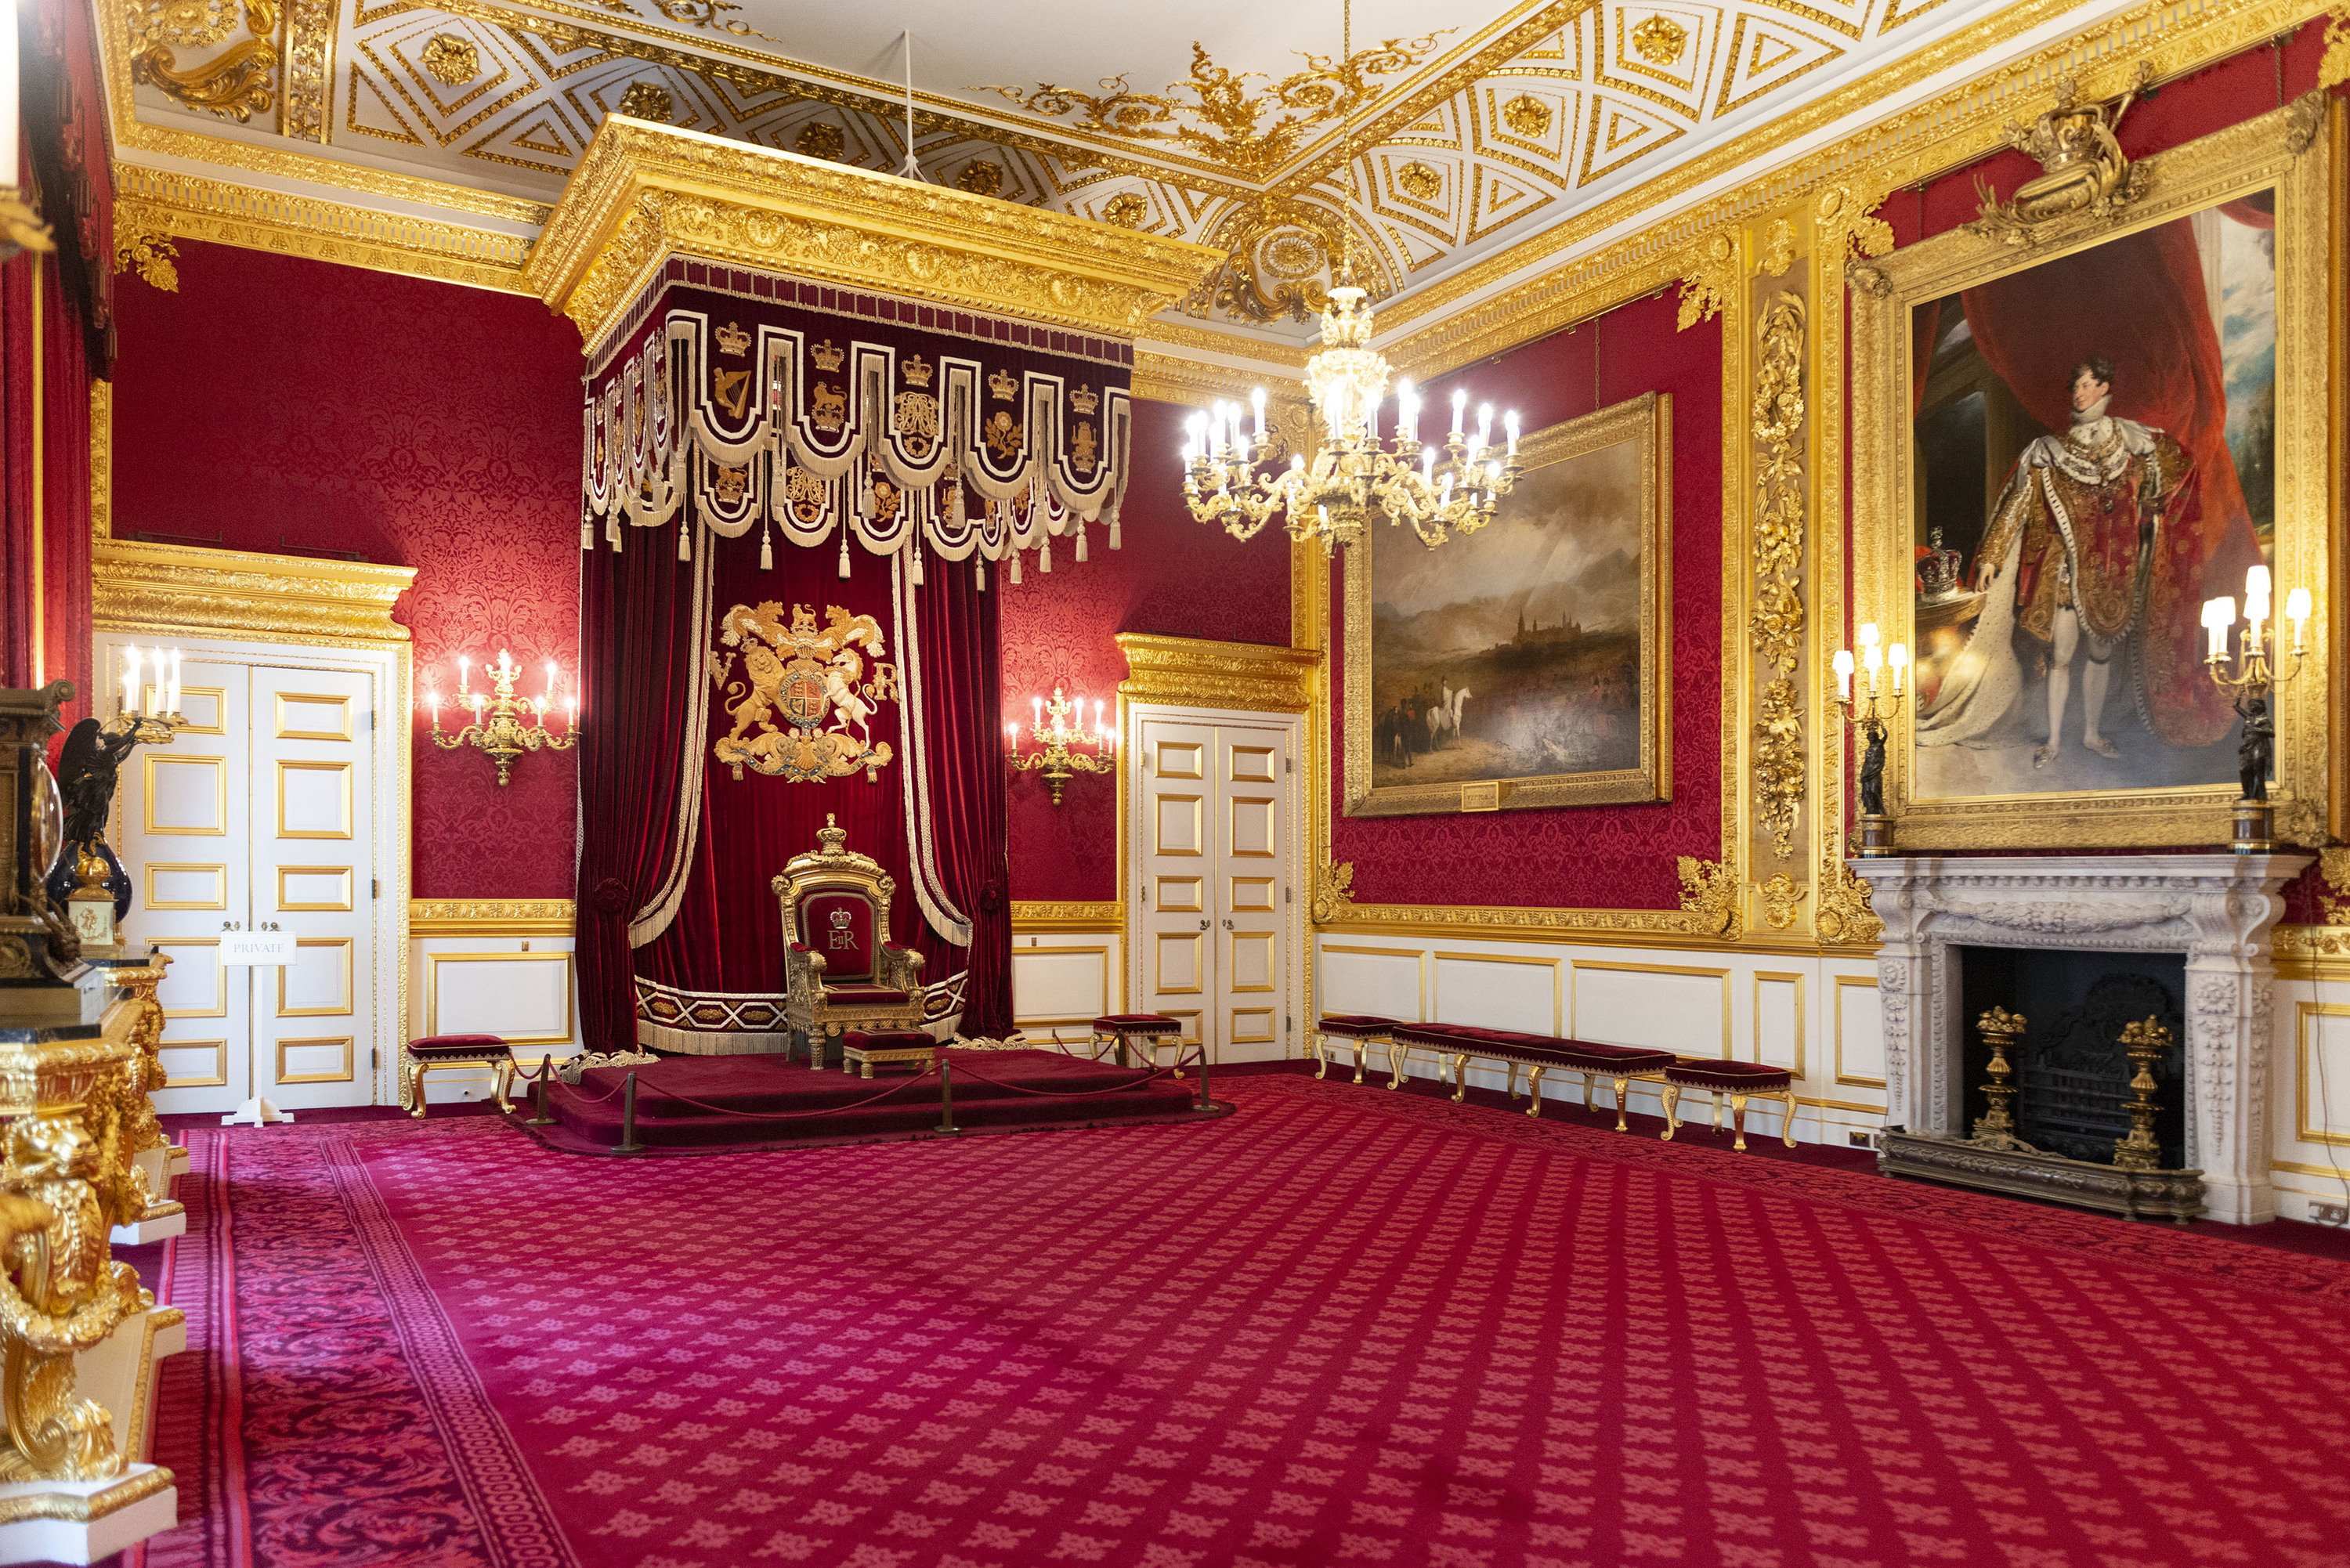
(524, 991)
(1488, 991)
(1859, 1033)
(1683, 1009)
(1062, 981)
(1779, 1020)
(1382, 982)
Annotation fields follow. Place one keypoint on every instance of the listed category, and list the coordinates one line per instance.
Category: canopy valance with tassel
(981, 441)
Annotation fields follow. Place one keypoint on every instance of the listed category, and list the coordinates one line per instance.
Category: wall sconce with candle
(504, 725)
(2258, 656)
(1877, 707)
(1058, 730)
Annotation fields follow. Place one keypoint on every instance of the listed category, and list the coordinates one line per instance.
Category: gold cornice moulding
(135, 587)
(1047, 917)
(1193, 672)
(156, 203)
(642, 193)
(493, 918)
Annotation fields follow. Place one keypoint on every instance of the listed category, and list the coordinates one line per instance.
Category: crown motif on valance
(827, 357)
(917, 370)
(1004, 385)
(732, 339)
(1083, 400)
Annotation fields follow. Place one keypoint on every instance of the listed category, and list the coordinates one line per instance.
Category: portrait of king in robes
(2094, 443)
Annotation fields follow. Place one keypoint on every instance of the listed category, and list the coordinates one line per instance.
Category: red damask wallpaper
(1171, 577)
(278, 404)
(1618, 856)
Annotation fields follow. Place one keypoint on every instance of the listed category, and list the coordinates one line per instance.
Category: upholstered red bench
(419, 1057)
(1541, 1053)
(1147, 1032)
(860, 1049)
(1740, 1080)
(1356, 1031)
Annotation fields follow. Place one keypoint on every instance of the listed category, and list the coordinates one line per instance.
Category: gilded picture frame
(1593, 486)
(2273, 153)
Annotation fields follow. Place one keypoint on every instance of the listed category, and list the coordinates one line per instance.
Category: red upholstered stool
(1356, 1031)
(419, 1057)
(1148, 1031)
(1739, 1080)
(860, 1049)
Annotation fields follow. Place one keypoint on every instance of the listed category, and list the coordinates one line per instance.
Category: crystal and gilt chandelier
(1354, 474)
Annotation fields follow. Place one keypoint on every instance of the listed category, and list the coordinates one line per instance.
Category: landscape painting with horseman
(1527, 654)
(2096, 457)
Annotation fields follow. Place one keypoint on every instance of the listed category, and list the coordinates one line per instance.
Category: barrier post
(1205, 1104)
(628, 1142)
(538, 1117)
(946, 1098)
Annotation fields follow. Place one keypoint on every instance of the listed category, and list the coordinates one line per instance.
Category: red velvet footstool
(1739, 1080)
(1358, 1032)
(860, 1049)
(1149, 1032)
(419, 1057)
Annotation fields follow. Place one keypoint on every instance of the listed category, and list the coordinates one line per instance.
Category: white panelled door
(311, 863)
(269, 807)
(1215, 854)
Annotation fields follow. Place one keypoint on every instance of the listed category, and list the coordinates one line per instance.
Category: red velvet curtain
(637, 632)
(2138, 300)
(963, 749)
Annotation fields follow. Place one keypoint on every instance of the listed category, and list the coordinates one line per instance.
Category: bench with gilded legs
(1739, 1081)
(1356, 1031)
(1539, 1054)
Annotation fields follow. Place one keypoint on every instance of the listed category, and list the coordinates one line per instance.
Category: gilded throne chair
(841, 971)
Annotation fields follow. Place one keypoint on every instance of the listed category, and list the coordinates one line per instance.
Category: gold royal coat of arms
(802, 690)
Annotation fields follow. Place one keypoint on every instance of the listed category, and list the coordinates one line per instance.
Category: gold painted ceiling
(1475, 129)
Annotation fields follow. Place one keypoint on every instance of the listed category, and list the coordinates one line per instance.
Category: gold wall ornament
(235, 85)
(1127, 210)
(1109, 916)
(1780, 896)
(2304, 123)
(1212, 115)
(1660, 40)
(1416, 180)
(642, 193)
(1064, 749)
(140, 587)
(2082, 169)
(152, 257)
(1777, 624)
(1708, 273)
(981, 177)
(1778, 249)
(803, 674)
(451, 59)
(491, 918)
(2334, 884)
(1334, 891)
(1845, 913)
(2333, 68)
(1710, 897)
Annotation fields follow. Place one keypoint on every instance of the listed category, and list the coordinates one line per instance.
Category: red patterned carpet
(1342, 1326)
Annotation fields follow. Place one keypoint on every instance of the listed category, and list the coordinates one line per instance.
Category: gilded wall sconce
(1059, 731)
(504, 725)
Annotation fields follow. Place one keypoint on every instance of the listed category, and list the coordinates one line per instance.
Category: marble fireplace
(2218, 910)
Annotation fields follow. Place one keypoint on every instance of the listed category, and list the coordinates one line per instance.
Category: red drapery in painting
(2139, 301)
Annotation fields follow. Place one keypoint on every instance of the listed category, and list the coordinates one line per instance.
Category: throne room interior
(1337, 784)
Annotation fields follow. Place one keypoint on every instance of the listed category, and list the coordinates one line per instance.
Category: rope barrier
(1075, 1093)
(794, 1115)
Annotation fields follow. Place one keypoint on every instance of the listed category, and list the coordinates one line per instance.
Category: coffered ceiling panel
(1443, 135)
